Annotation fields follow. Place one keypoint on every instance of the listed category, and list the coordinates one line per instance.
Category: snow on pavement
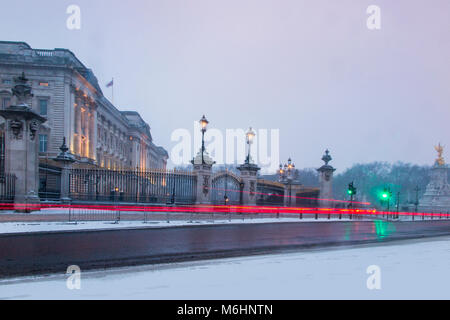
(23, 227)
(409, 270)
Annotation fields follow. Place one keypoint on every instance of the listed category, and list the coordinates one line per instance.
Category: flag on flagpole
(111, 85)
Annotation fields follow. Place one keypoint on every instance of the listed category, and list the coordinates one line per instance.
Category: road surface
(47, 252)
(416, 269)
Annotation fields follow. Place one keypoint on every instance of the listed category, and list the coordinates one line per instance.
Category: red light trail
(222, 209)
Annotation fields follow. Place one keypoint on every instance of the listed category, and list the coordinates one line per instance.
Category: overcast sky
(310, 68)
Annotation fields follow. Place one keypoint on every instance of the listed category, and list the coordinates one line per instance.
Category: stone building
(68, 95)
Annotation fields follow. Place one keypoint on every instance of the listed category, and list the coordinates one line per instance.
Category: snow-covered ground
(409, 270)
(22, 227)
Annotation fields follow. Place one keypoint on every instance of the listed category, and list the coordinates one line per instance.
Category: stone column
(249, 178)
(78, 128)
(95, 142)
(21, 146)
(326, 182)
(203, 171)
(68, 114)
(66, 159)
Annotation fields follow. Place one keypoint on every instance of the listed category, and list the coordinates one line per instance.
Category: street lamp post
(203, 124)
(286, 176)
(250, 137)
(416, 204)
(226, 199)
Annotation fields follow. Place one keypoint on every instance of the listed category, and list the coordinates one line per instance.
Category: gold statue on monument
(440, 150)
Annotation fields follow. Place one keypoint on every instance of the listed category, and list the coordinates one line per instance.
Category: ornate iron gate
(226, 189)
(154, 186)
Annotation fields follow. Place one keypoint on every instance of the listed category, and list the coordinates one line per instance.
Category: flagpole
(112, 87)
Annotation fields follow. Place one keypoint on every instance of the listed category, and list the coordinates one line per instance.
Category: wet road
(45, 252)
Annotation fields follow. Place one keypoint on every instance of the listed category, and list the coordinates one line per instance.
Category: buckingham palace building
(67, 94)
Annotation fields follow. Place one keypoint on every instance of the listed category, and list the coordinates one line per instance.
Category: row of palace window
(43, 105)
(40, 83)
(111, 141)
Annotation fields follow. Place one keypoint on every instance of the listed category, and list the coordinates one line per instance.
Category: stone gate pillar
(203, 170)
(21, 146)
(249, 179)
(326, 181)
(66, 159)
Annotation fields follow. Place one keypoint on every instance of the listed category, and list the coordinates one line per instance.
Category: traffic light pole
(398, 205)
(351, 191)
(351, 205)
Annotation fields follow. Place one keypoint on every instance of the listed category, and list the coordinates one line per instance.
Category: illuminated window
(43, 84)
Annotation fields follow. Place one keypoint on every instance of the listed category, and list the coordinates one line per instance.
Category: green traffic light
(386, 194)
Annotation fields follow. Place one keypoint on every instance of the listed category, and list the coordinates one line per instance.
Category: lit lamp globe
(290, 165)
(250, 138)
(203, 123)
(250, 135)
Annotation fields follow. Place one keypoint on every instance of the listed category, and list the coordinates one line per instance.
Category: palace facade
(68, 95)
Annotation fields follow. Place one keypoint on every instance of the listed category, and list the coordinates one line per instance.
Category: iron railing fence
(2, 152)
(153, 186)
(7, 187)
(49, 182)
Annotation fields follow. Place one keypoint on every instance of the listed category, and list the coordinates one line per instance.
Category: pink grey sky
(310, 68)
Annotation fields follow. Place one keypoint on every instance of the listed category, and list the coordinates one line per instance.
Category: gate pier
(249, 180)
(22, 125)
(203, 171)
